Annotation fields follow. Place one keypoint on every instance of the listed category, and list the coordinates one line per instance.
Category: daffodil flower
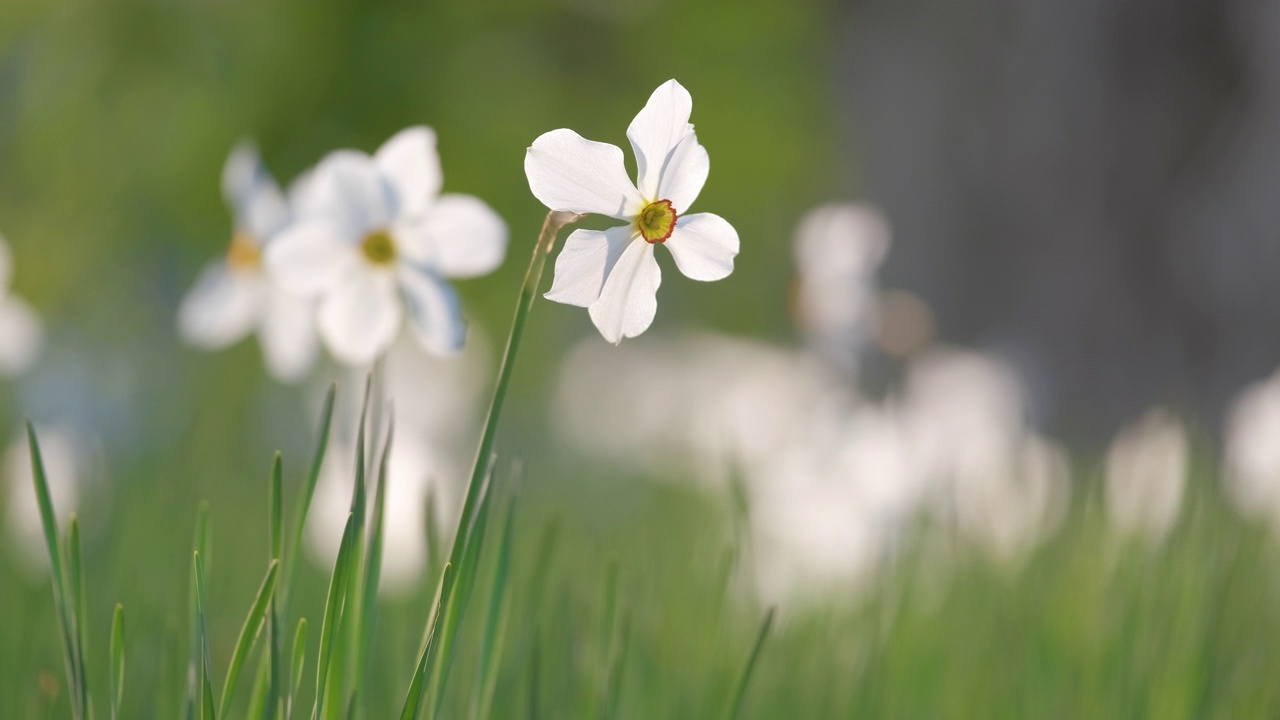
(374, 233)
(614, 273)
(233, 296)
(21, 332)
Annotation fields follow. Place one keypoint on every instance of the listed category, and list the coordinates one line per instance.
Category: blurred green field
(114, 124)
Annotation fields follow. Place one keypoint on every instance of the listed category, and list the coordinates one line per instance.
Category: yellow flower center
(656, 221)
(379, 247)
(244, 252)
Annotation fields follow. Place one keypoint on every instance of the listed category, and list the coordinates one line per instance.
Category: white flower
(614, 273)
(373, 233)
(1251, 455)
(233, 297)
(1146, 470)
(21, 332)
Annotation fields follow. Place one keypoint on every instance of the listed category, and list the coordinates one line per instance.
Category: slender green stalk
(117, 661)
(333, 615)
(297, 663)
(308, 492)
(426, 659)
(207, 711)
(735, 709)
(373, 562)
(78, 614)
(248, 635)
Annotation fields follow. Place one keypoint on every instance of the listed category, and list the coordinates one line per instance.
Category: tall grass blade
(79, 615)
(308, 491)
(248, 635)
(117, 661)
(297, 663)
(277, 507)
(426, 658)
(49, 523)
(735, 709)
(495, 626)
(207, 710)
(258, 700)
(200, 544)
(333, 614)
(373, 562)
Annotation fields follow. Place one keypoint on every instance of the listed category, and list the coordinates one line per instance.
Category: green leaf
(117, 661)
(333, 613)
(495, 627)
(207, 711)
(296, 664)
(735, 708)
(426, 658)
(248, 634)
(308, 490)
(373, 563)
(79, 614)
(277, 508)
(49, 523)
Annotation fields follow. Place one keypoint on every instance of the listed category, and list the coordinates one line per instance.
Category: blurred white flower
(21, 332)
(838, 250)
(1146, 471)
(374, 233)
(233, 297)
(614, 273)
(1251, 453)
(64, 470)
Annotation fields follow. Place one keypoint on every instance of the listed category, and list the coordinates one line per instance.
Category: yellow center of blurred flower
(656, 221)
(244, 252)
(379, 247)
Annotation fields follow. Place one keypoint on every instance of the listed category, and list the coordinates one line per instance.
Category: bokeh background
(1081, 189)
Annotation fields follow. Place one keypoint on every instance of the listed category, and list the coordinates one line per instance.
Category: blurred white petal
(359, 319)
(465, 237)
(1146, 471)
(704, 246)
(435, 313)
(288, 336)
(349, 191)
(311, 257)
(254, 197)
(224, 306)
(410, 162)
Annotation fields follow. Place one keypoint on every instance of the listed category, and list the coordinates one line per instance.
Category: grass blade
(426, 658)
(79, 614)
(207, 711)
(495, 622)
(49, 523)
(200, 544)
(735, 709)
(308, 490)
(333, 614)
(373, 562)
(297, 664)
(248, 635)
(117, 661)
(277, 508)
(258, 700)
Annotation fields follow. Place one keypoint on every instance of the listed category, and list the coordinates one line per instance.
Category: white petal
(629, 298)
(252, 194)
(222, 308)
(410, 162)
(656, 131)
(464, 237)
(685, 173)
(434, 311)
(349, 190)
(569, 173)
(704, 246)
(21, 335)
(361, 317)
(288, 336)
(584, 263)
(310, 258)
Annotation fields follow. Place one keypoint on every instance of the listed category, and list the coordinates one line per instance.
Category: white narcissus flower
(1146, 474)
(613, 273)
(374, 233)
(233, 296)
(21, 332)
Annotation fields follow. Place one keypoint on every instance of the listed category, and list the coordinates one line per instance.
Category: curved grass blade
(373, 562)
(277, 508)
(426, 658)
(248, 635)
(258, 700)
(200, 543)
(296, 665)
(207, 711)
(495, 623)
(78, 614)
(333, 613)
(308, 490)
(735, 709)
(117, 661)
(49, 523)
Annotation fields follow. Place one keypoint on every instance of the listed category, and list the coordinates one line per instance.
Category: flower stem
(532, 277)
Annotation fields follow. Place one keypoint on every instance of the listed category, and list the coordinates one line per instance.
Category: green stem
(532, 278)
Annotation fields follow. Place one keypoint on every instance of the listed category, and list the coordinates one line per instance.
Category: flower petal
(350, 191)
(252, 194)
(310, 257)
(460, 237)
(288, 335)
(584, 263)
(629, 298)
(656, 131)
(704, 246)
(569, 173)
(410, 162)
(222, 308)
(434, 311)
(685, 173)
(361, 317)
(21, 335)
